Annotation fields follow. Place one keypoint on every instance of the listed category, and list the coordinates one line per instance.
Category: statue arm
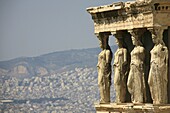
(98, 64)
(166, 56)
(166, 61)
(142, 50)
(114, 62)
(125, 57)
(108, 58)
(125, 66)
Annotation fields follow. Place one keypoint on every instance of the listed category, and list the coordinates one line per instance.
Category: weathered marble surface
(104, 70)
(158, 75)
(129, 15)
(120, 71)
(149, 66)
(136, 81)
(131, 108)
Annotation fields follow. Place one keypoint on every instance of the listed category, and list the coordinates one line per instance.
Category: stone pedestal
(132, 108)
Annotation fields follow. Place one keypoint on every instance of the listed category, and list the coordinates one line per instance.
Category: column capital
(117, 34)
(157, 29)
(113, 32)
(157, 26)
(136, 32)
(133, 32)
(102, 35)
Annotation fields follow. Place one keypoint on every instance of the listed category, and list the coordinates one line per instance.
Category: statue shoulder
(125, 50)
(165, 48)
(108, 52)
(116, 51)
(101, 53)
(162, 47)
(142, 49)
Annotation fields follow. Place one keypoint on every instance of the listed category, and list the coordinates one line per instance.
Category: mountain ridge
(51, 62)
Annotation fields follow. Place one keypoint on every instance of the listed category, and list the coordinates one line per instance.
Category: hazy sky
(34, 27)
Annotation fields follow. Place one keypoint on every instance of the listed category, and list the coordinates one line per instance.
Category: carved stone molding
(130, 15)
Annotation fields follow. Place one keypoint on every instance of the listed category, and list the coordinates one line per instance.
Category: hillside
(50, 63)
(60, 82)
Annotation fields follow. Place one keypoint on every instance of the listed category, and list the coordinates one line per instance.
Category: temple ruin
(141, 63)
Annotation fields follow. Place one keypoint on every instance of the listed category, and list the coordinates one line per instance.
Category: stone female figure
(120, 69)
(158, 75)
(104, 70)
(136, 81)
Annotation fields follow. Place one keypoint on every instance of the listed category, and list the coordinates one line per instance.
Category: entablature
(130, 15)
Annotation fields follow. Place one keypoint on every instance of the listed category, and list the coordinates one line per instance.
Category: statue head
(157, 35)
(100, 43)
(119, 42)
(136, 41)
(103, 41)
(155, 39)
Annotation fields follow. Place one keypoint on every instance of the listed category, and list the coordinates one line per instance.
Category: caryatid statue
(104, 69)
(120, 70)
(158, 75)
(136, 81)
